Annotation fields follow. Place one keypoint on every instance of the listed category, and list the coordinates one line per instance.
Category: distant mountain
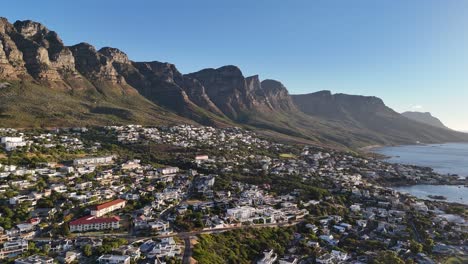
(425, 118)
(44, 83)
(371, 117)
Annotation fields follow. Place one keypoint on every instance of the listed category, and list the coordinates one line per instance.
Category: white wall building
(169, 170)
(241, 213)
(114, 259)
(94, 161)
(269, 257)
(12, 143)
(89, 223)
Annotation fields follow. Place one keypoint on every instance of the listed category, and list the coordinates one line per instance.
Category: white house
(114, 259)
(94, 161)
(241, 213)
(12, 143)
(269, 257)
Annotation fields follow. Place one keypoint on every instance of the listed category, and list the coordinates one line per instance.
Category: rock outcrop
(93, 65)
(45, 56)
(12, 65)
(277, 95)
(163, 84)
(166, 85)
(227, 88)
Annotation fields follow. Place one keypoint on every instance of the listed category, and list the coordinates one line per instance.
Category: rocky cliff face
(277, 95)
(12, 65)
(43, 51)
(254, 87)
(93, 65)
(227, 88)
(29, 49)
(168, 86)
(236, 95)
(162, 83)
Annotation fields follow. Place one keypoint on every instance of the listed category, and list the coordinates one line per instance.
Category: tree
(416, 247)
(41, 184)
(428, 245)
(65, 230)
(87, 250)
(387, 257)
(32, 248)
(46, 249)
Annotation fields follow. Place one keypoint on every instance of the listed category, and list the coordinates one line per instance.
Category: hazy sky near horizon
(412, 54)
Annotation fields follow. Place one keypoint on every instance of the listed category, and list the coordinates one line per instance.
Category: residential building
(114, 259)
(35, 259)
(269, 257)
(169, 170)
(94, 161)
(88, 223)
(12, 143)
(108, 207)
(13, 248)
(241, 213)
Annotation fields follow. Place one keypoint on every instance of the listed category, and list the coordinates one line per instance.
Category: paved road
(182, 235)
(187, 251)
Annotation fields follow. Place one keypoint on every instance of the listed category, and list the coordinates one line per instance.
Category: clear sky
(411, 53)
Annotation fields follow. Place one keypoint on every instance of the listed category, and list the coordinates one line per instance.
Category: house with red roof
(105, 208)
(91, 222)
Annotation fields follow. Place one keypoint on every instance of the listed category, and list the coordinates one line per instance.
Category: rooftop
(108, 204)
(87, 220)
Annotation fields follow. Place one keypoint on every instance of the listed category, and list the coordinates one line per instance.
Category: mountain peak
(83, 46)
(3, 23)
(115, 55)
(30, 29)
(326, 93)
(230, 69)
(93, 64)
(273, 86)
(424, 117)
(277, 95)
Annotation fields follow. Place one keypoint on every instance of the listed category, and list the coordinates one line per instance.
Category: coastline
(431, 175)
(370, 151)
(424, 192)
(371, 148)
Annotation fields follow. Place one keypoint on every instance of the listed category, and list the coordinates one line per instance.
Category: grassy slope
(367, 120)
(26, 104)
(384, 130)
(312, 130)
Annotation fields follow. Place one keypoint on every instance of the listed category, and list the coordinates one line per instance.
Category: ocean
(453, 193)
(450, 158)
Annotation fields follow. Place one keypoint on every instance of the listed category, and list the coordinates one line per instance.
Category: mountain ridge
(54, 84)
(424, 117)
(369, 113)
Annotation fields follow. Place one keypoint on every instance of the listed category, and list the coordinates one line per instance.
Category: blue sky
(413, 54)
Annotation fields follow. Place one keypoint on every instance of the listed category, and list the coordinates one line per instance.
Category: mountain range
(44, 83)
